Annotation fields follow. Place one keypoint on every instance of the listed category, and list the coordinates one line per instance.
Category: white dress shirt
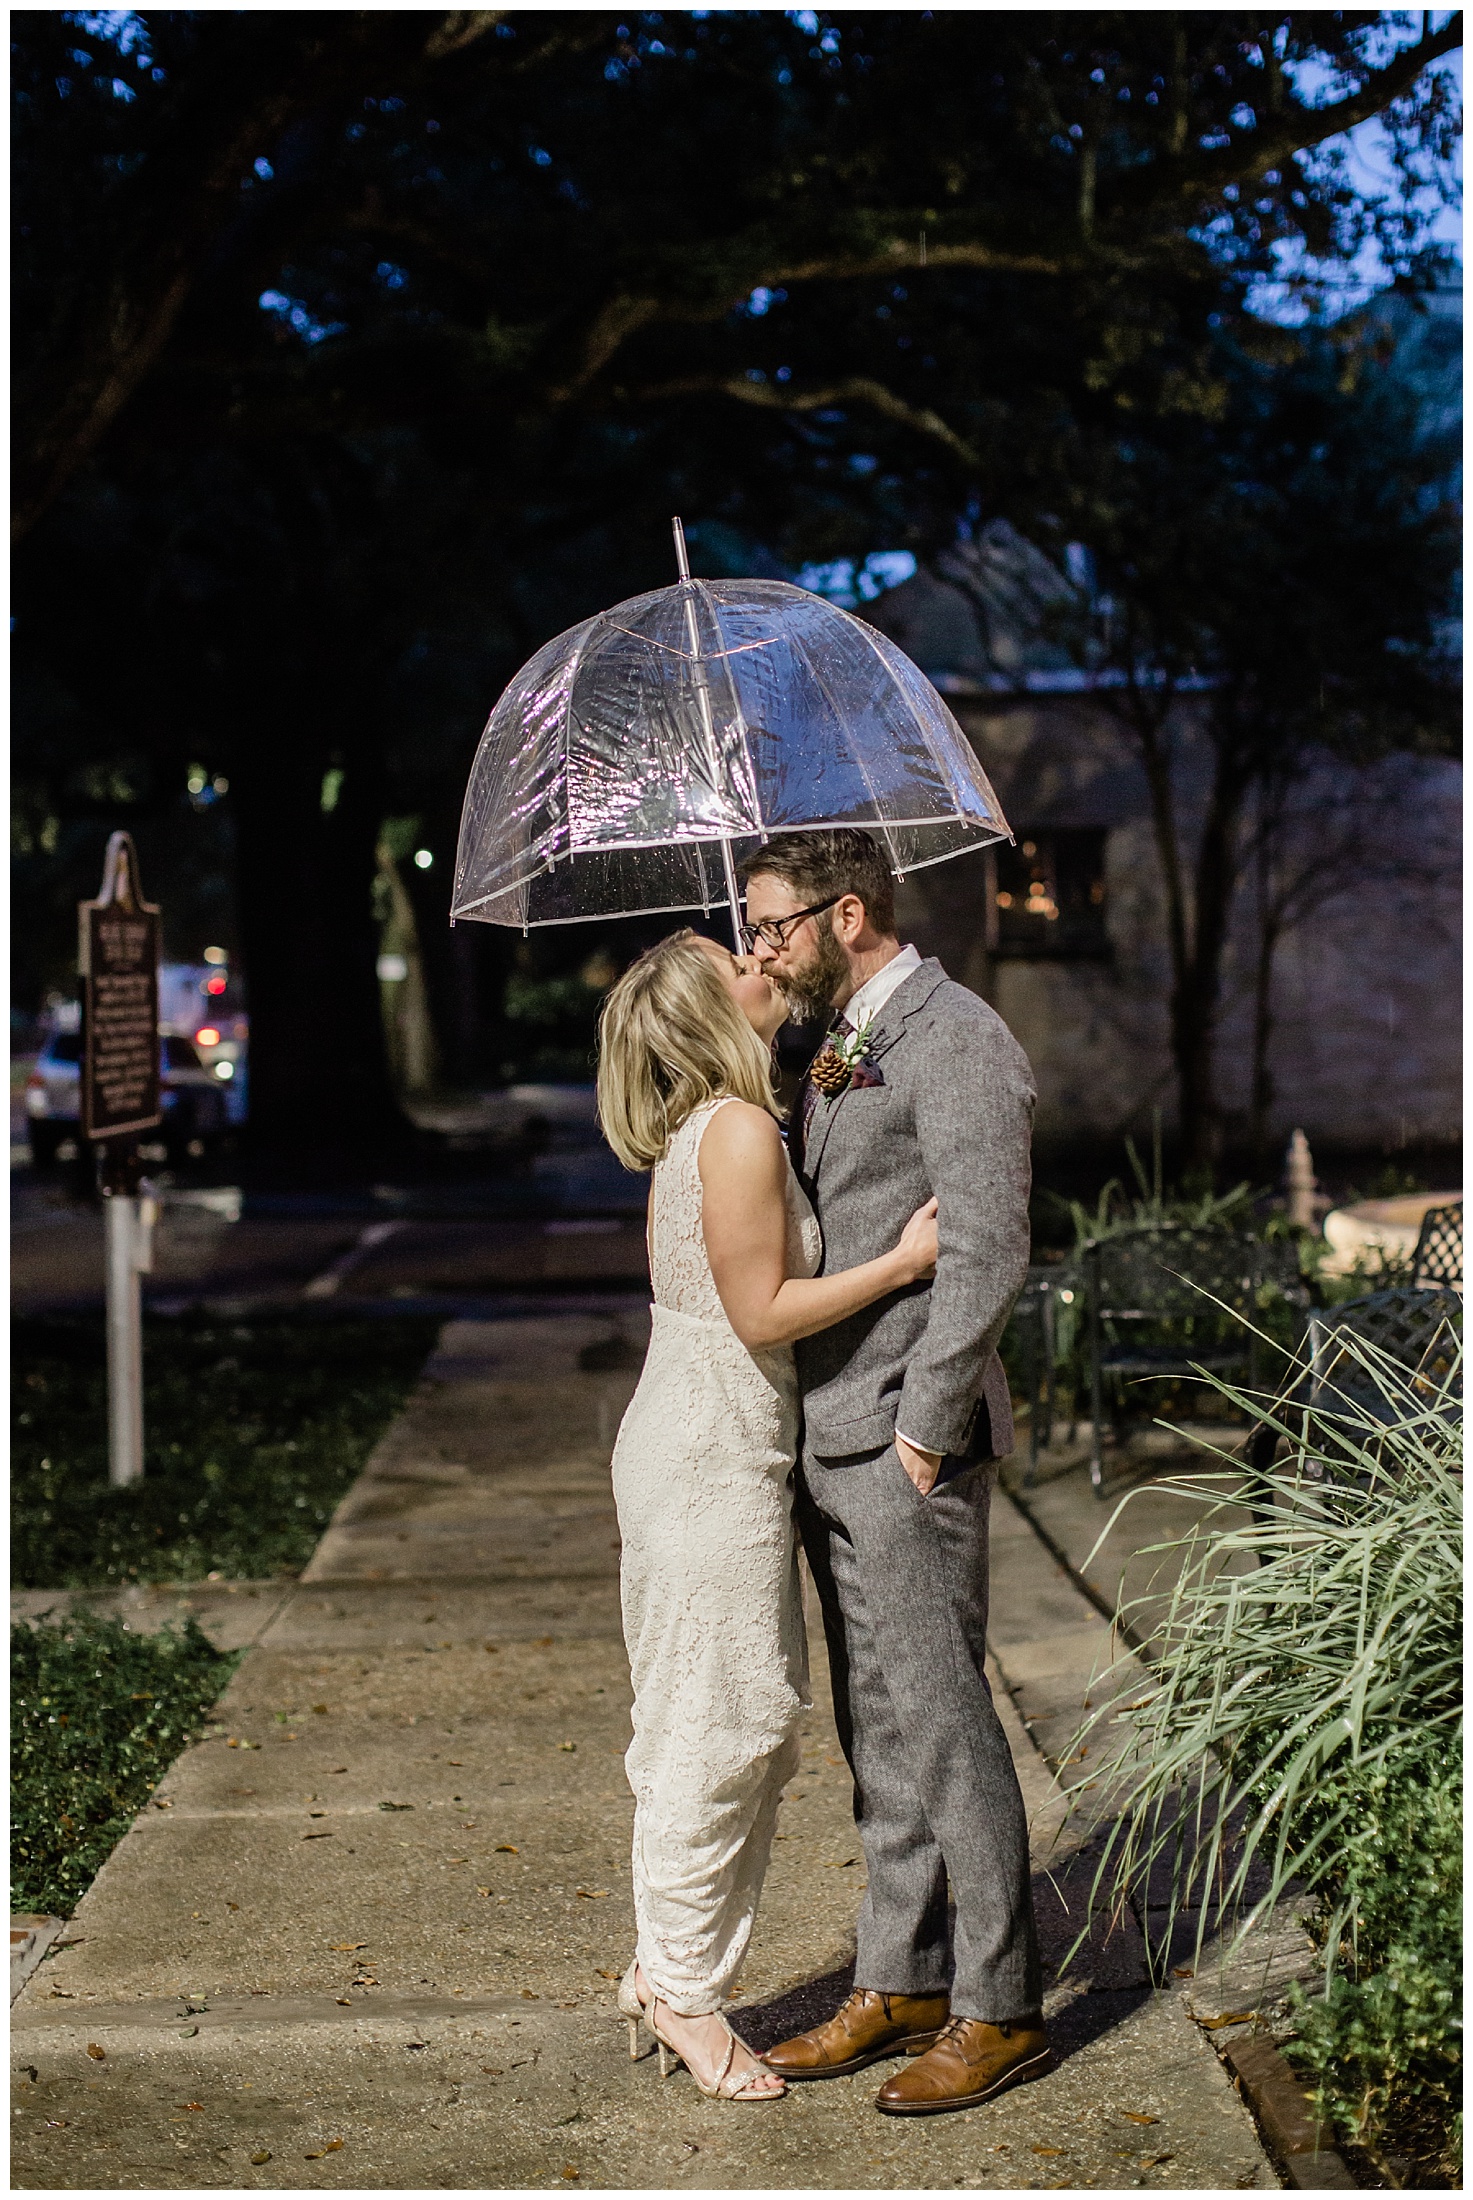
(871, 997)
(868, 1000)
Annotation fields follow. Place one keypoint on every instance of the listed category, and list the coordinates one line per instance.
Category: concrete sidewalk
(368, 1932)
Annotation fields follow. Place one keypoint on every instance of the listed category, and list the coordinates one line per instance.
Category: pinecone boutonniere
(839, 1060)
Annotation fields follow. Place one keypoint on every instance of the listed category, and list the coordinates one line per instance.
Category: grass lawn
(97, 1717)
(253, 1431)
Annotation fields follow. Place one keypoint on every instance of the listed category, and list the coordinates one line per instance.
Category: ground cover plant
(98, 1714)
(1304, 1737)
(253, 1429)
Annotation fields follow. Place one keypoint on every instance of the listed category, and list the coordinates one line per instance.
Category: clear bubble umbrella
(637, 758)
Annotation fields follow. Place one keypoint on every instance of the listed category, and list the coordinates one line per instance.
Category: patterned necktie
(812, 1085)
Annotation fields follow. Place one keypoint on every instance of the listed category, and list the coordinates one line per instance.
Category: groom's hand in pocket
(922, 1466)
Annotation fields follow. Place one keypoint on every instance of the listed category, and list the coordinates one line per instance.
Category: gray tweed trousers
(902, 1580)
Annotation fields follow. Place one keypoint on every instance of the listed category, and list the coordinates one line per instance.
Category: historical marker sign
(119, 957)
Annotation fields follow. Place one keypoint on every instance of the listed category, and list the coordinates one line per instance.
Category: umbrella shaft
(733, 896)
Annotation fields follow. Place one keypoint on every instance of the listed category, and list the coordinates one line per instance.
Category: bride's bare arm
(743, 1171)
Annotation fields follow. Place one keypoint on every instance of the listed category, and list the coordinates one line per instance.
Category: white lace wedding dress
(712, 1614)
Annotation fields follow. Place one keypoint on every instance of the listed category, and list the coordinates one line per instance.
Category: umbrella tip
(682, 562)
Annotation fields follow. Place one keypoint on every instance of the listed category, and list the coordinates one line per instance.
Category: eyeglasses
(773, 931)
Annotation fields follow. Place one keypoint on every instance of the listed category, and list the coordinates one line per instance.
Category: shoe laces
(955, 2026)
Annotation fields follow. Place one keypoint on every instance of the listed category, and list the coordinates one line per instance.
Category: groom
(920, 1089)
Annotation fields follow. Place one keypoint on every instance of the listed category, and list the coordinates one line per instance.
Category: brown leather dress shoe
(869, 2027)
(971, 2062)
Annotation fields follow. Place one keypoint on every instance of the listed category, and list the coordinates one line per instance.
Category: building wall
(1366, 1048)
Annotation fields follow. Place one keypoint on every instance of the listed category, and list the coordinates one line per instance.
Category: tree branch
(624, 315)
(1290, 130)
(461, 28)
(855, 389)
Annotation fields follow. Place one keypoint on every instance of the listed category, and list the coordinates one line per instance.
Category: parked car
(194, 1109)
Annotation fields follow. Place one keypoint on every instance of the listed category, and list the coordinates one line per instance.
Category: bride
(703, 1477)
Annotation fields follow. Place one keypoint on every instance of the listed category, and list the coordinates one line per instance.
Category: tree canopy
(357, 352)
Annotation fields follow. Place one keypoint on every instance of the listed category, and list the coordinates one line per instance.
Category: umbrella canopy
(634, 756)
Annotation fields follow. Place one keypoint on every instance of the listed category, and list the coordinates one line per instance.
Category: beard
(810, 992)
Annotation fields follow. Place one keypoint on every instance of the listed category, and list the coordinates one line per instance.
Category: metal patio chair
(1438, 1258)
(1421, 1330)
(1043, 1307)
(1150, 1297)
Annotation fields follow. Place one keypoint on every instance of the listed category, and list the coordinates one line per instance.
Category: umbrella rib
(738, 713)
(935, 759)
(692, 656)
(854, 749)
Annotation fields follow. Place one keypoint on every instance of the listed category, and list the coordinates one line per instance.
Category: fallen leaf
(457, 1761)
(232, 1905)
(491, 2070)
(593, 1894)
(346, 1947)
(337, 1768)
(262, 2154)
(396, 1806)
(569, 1746)
(191, 2104)
(162, 1802)
(189, 2032)
(606, 1974)
(56, 2123)
(1048, 2150)
(1184, 1970)
(319, 1707)
(343, 2002)
(528, 1995)
(568, 2170)
(324, 1835)
(334, 2146)
(1154, 2161)
(839, 1864)
(98, 2054)
(1134, 2116)
(1233, 2016)
(543, 1642)
(483, 1890)
(505, 1848)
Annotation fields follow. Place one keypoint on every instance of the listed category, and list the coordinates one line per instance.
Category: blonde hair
(670, 1038)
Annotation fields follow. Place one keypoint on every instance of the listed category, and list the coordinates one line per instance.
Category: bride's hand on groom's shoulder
(916, 1249)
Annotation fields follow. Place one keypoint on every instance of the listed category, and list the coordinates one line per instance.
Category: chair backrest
(1421, 1329)
(1439, 1254)
(1163, 1274)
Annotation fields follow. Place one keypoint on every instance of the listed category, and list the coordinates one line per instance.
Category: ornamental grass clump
(1303, 1737)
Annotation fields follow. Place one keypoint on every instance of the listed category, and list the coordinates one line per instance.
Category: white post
(127, 1225)
(1301, 1182)
(733, 892)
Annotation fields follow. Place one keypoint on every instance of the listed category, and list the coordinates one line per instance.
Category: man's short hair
(817, 866)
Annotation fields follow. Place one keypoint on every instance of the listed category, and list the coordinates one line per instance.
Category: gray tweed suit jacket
(951, 1115)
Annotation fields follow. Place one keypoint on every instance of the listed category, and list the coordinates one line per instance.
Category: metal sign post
(118, 955)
